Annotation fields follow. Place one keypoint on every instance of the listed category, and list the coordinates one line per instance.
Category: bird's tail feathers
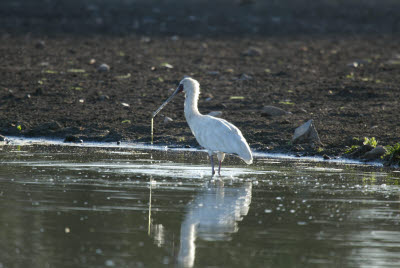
(249, 160)
(246, 154)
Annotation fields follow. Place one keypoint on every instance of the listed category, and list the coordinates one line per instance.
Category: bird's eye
(180, 88)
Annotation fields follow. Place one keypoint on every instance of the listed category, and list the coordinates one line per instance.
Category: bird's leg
(221, 157)
(212, 166)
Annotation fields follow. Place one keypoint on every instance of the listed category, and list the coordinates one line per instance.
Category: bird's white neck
(191, 110)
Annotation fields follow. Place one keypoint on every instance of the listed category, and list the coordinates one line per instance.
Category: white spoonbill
(215, 134)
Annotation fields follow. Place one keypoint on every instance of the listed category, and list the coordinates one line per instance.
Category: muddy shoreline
(344, 78)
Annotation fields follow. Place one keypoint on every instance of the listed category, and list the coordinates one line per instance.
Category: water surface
(110, 206)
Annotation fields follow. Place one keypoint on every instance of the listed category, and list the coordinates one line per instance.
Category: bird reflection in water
(212, 216)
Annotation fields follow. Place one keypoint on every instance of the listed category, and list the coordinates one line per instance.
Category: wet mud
(335, 63)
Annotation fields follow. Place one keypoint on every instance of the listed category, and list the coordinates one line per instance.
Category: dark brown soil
(336, 62)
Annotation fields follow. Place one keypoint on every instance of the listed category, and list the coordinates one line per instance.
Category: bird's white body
(214, 134)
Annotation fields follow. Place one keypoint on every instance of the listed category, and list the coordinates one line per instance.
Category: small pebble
(253, 51)
(215, 113)
(213, 73)
(103, 97)
(245, 77)
(326, 157)
(40, 44)
(273, 111)
(208, 96)
(167, 65)
(145, 39)
(103, 68)
(38, 92)
(72, 138)
(167, 120)
(109, 263)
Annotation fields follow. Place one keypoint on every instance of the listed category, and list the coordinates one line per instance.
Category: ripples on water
(76, 206)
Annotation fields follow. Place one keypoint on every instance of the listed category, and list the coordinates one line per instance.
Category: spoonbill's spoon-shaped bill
(178, 90)
(152, 132)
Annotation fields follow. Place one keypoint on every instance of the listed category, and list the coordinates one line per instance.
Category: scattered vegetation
(352, 149)
(50, 72)
(391, 157)
(350, 76)
(370, 141)
(393, 153)
(126, 76)
(286, 102)
(367, 141)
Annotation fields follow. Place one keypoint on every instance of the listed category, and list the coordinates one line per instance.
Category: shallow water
(110, 206)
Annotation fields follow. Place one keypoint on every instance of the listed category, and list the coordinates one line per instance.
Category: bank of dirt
(345, 79)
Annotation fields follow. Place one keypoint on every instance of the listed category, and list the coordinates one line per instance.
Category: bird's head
(187, 85)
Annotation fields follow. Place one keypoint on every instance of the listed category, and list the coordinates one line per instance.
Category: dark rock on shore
(306, 133)
(73, 138)
(253, 51)
(273, 111)
(326, 157)
(3, 138)
(375, 153)
(360, 151)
